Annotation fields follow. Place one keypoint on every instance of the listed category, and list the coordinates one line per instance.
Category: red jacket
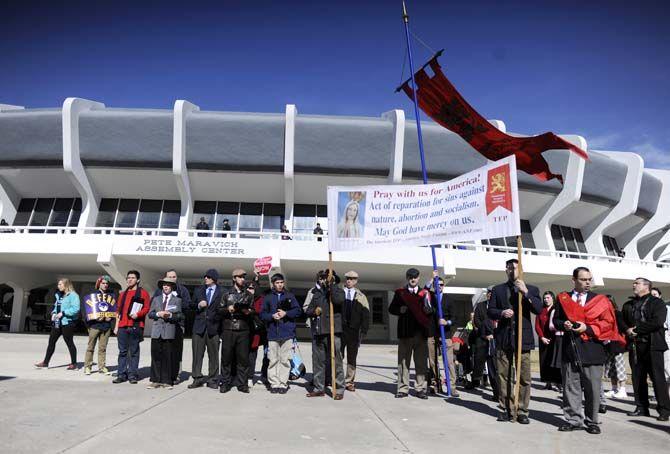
(542, 323)
(125, 304)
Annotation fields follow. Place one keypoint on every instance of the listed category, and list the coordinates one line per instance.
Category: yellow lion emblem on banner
(497, 183)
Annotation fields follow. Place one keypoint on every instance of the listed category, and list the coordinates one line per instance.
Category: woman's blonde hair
(67, 283)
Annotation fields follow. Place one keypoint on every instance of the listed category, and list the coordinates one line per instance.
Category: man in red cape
(589, 323)
(411, 304)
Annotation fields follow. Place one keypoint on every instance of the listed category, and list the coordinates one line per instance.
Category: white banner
(480, 204)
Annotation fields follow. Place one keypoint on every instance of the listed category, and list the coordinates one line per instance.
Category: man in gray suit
(167, 314)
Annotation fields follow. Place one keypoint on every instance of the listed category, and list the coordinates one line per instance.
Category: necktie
(209, 296)
(165, 302)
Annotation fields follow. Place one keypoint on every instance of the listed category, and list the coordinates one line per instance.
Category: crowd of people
(582, 338)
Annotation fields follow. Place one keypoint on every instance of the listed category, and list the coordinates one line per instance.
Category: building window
(611, 246)
(251, 217)
(227, 210)
(273, 217)
(24, 212)
(377, 310)
(76, 214)
(170, 216)
(127, 215)
(107, 212)
(150, 213)
(510, 241)
(568, 239)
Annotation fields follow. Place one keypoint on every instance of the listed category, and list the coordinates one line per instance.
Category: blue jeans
(129, 352)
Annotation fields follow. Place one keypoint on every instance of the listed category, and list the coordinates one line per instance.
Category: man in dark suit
(206, 330)
(503, 308)
(644, 317)
(583, 356)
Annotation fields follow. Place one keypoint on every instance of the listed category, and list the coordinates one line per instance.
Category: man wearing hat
(236, 311)
(181, 292)
(412, 306)
(206, 330)
(318, 310)
(166, 313)
(355, 324)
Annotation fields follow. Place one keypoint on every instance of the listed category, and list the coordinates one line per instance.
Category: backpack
(298, 369)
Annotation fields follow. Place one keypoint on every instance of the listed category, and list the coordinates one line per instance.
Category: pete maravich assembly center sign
(480, 204)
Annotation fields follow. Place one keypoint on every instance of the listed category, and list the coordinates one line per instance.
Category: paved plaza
(55, 410)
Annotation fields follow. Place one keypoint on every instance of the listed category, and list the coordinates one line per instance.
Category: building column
(19, 307)
(289, 164)
(571, 193)
(179, 169)
(72, 108)
(593, 231)
(644, 243)
(397, 117)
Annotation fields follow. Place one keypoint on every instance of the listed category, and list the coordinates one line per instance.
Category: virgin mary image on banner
(351, 212)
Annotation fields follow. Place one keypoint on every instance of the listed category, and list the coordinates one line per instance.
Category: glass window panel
(250, 216)
(579, 239)
(307, 211)
(227, 210)
(527, 235)
(608, 245)
(322, 211)
(107, 212)
(150, 212)
(377, 310)
(273, 217)
(42, 211)
(569, 238)
(204, 209)
(76, 214)
(171, 206)
(25, 210)
(615, 246)
(61, 212)
(127, 213)
(556, 235)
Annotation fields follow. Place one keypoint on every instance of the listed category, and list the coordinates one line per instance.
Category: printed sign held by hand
(263, 265)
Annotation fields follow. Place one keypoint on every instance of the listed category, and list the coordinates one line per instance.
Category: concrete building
(87, 189)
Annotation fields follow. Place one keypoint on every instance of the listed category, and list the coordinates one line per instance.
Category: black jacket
(242, 318)
(206, 318)
(357, 316)
(652, 329)
(591, 351)
(504, 296)
(319, 297)
(408, 325)
(434, 328)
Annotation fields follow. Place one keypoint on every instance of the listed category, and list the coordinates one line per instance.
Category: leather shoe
(400, 395)
(224, 389)
(455, 393)
(602, 409)
(118, 380)
(350, 387)
(639, 411)
(471, 385)
(243, 389)
(315, 394)
(132, 381)
(522, 419)
(568, 428)
(339, 396)
(593, 429)
(662, 417)
(212, 385)
(422, 395)
(196, 384)
(504, 416)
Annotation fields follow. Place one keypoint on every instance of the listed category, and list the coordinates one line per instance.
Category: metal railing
(274, 235)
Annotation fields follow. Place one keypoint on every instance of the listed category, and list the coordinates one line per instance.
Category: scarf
(598, 313)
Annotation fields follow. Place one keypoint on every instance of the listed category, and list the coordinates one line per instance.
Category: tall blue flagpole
(436, 287)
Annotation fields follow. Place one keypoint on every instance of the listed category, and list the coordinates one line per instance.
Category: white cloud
(653, 155)
(604, 141)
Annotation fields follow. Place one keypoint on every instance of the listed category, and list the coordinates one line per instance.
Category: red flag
(499, 189)
(439, 99)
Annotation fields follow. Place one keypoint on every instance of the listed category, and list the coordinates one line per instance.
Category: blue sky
(598, 68)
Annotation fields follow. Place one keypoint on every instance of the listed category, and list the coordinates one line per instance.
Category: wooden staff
(332, 324)
(519, 332)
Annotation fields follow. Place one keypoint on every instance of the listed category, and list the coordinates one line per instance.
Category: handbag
(298, 368)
